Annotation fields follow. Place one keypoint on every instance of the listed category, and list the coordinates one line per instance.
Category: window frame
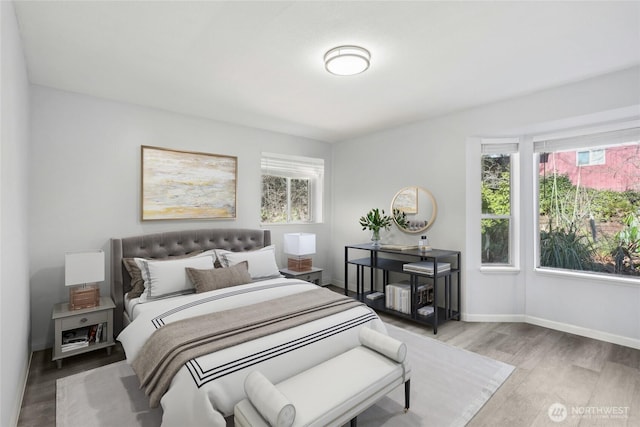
(296, 167)
(588, 138)
(503, 146)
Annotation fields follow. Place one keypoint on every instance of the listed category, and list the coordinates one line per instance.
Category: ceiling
(259, 64)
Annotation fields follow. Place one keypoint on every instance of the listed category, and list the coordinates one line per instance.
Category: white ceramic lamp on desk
(299, 244)
(82, 271)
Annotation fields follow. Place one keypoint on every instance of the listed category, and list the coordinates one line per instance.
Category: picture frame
(177, 184)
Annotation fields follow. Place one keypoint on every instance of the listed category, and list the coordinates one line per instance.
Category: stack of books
(426, 267)
(427, 310)
(398, 296)
(100, 332)
(375, 296)
(81, 337)
(75, 338)
(424, 295)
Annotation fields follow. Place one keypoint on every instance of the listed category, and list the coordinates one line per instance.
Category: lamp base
(299, 264)
(84, 297)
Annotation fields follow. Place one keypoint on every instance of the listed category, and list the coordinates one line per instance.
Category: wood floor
(591, 378)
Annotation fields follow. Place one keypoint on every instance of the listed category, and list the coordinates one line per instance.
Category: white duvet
(206, 389)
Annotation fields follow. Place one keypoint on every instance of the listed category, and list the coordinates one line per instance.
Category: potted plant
(375, 220)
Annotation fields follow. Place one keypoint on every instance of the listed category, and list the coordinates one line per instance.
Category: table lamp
(81, 268)
(299, 244)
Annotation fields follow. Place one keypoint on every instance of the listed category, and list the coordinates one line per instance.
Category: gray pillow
(137, 283)
(218, 278)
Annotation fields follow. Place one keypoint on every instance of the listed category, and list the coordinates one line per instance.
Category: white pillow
(262, 262)
(168, 278)
(274, 406)
(383, 344)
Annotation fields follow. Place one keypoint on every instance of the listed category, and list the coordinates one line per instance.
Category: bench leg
(407, 393)
(354, 422)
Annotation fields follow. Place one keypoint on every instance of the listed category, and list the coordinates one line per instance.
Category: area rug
(448, 387)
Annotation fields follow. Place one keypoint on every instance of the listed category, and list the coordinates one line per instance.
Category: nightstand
(314, 275)
(68, 322)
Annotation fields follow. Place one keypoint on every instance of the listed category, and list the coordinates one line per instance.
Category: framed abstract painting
(187, 185)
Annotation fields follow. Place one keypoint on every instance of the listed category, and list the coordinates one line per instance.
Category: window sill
(278, 224)
(505, 269)
(610, 279)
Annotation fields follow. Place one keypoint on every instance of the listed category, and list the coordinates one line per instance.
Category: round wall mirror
(414, 209)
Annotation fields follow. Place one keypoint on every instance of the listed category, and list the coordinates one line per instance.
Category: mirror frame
(434, 213)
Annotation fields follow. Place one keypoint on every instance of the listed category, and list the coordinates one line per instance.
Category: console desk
(445, 303)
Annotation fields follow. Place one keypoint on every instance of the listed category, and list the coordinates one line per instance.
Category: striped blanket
(171, 346)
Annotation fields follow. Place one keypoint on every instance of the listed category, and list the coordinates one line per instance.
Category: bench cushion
(334, 391)
(342, 387)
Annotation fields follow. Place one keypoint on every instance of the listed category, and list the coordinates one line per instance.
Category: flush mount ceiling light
(347, 60)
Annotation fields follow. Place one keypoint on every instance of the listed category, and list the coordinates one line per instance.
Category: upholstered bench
(329, 394)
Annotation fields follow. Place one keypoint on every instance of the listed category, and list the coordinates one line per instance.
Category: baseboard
(559, 326)
(585, 332)
(16, 412)
(507, 318)
(338, 283)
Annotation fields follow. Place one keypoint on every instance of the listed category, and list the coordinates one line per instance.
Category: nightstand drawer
(81, 320)
(310, 277)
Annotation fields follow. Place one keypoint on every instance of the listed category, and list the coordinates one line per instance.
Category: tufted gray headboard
(170, 244)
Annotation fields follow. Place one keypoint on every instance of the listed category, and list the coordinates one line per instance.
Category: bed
(206, 387)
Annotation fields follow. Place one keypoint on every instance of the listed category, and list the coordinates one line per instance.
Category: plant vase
(375, 238)
(375, 220)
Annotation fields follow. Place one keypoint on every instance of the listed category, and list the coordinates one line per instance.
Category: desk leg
(435, 305)
(372, 272)
(413, 283)
(346, 271)
(447, 298)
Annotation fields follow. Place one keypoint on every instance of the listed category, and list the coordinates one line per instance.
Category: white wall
(14, 261)
(85, 174)
(85, 188)
(432, 154)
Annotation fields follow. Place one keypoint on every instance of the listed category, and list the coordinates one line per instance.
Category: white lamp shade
(300, 243)
(83, 267)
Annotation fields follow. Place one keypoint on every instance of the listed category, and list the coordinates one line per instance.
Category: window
(291, 189)
(589, 218)
(498, 168)
(590, 157)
